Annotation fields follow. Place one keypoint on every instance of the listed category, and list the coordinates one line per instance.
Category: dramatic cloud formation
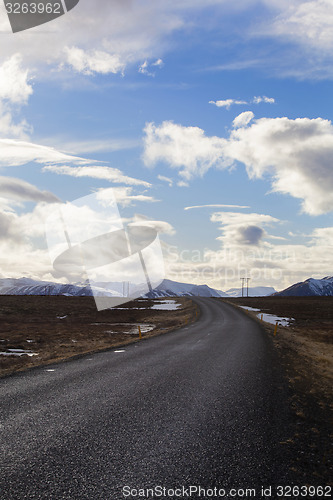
(242, 229)
(296, 153)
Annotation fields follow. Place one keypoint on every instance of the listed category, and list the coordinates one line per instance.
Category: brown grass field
(58, 327)
(307, 344)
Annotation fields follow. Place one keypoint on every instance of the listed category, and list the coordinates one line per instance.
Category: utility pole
(243, 281)
(247, 286)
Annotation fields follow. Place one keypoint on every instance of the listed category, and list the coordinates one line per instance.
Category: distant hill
(310, 287)
(168, 288)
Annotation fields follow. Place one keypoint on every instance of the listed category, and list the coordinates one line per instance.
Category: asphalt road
(204, 406)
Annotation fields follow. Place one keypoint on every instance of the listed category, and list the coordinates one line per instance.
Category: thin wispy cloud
(165, 179)
(96, 172)
(227, 103)
(144, 67)
(14, 152)
(216, 205)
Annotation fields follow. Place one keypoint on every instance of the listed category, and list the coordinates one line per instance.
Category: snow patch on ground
(270, 318)
(18, 352)
(166, 305)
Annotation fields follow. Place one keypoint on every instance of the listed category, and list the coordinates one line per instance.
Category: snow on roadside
(269, 318)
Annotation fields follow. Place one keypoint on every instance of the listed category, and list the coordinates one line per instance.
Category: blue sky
(212, 120)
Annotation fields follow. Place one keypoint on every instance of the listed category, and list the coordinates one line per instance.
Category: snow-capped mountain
(27, 286)
(168, 288)
(310, 287)
(257, 291)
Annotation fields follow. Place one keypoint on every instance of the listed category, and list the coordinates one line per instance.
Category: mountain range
(168, 288)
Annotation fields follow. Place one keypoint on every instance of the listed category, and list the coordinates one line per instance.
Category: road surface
(205, 405)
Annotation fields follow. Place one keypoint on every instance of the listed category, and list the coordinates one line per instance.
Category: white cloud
(259, 99)
(187, 148)
(14, 81)
(22, 244)
(161, 227)
(215, 206)
(96, 61)
(159, 63)
(305, 30)
(125, 196)
(308, 22)
(8, 127)
(100, 37)
(296, 153)
(242, 229)
(97, 172)
(144, 67)
(14, 153)
(227, 103)
(14, 92)
(165, 179)
(106, 37)
(93, 145)
(323, 237)
(243, 119)
(182, 184)
(17, 189)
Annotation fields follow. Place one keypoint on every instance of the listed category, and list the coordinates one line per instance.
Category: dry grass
(307, 342)
(57, 328)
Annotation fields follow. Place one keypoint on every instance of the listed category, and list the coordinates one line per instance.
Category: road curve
(205, 405)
